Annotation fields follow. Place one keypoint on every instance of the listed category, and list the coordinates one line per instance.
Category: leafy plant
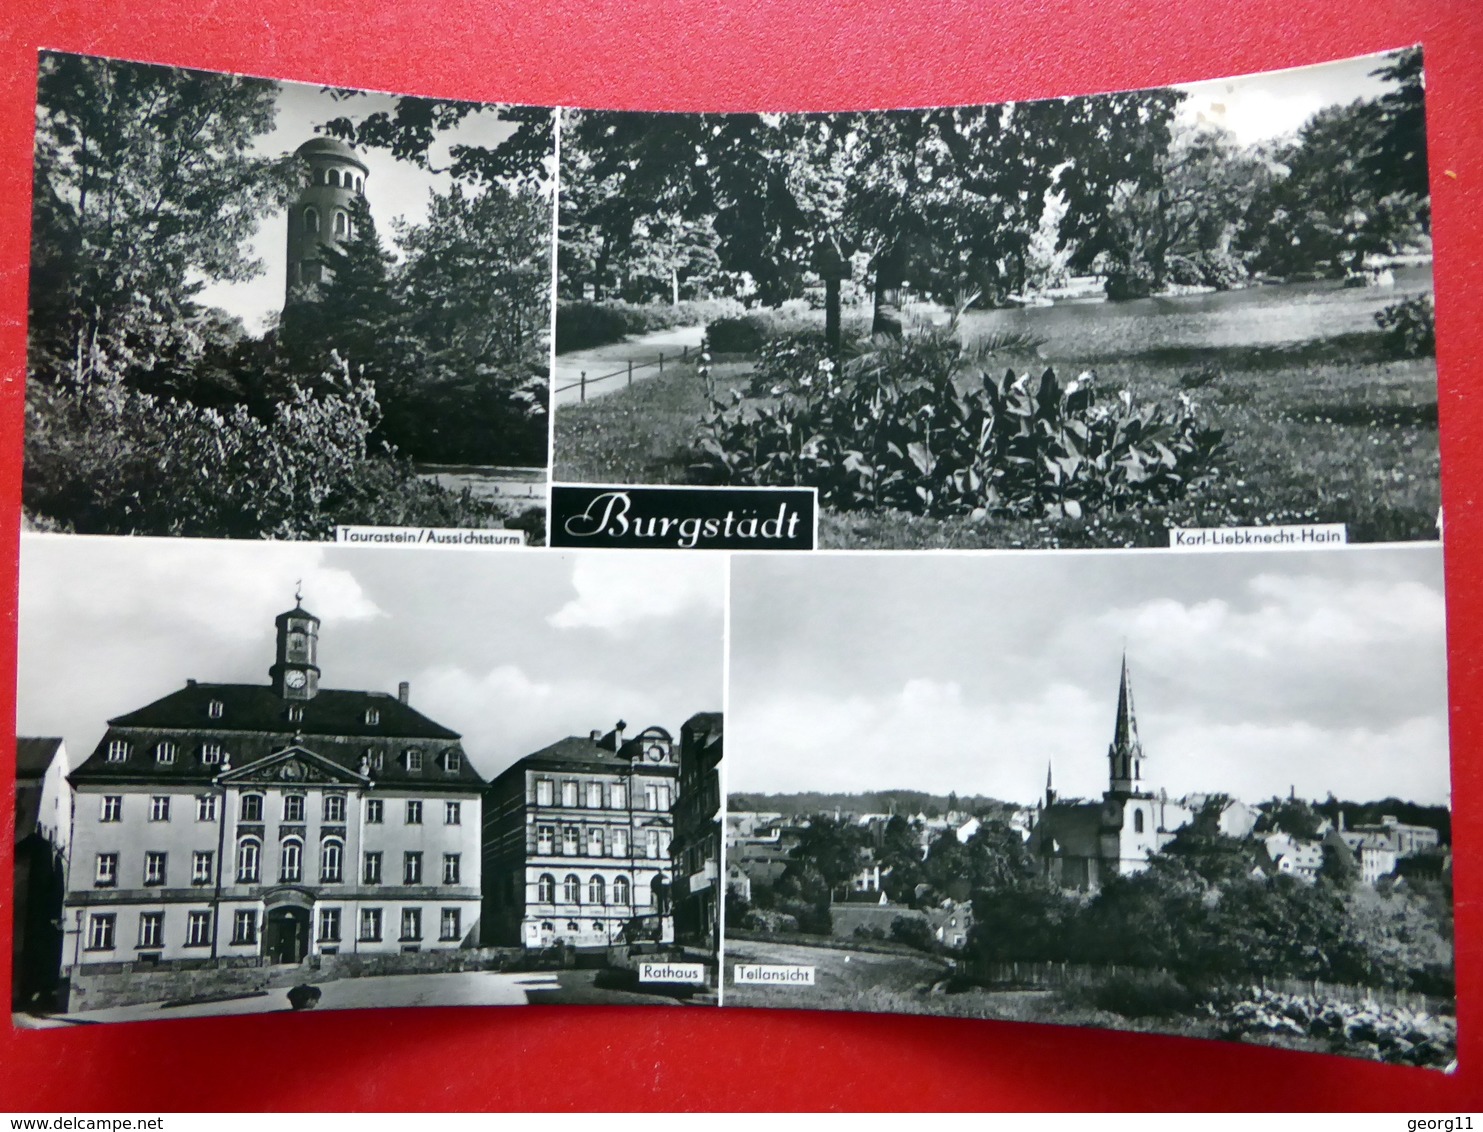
(1410, 327)
(894, 430)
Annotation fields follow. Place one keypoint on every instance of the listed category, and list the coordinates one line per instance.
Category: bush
(1128, 281)
(1184, 271)
(1410, 327)
(581, 325)
(913, 932)
(1220, 270)
(1140, 994)
(896, 432)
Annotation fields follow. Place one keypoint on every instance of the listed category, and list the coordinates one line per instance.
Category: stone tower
(320, 217)
(1125, 753)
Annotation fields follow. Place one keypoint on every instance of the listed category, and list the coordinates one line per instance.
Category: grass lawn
(1327, 431)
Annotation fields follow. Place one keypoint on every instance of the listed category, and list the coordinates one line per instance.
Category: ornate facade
(243, 824)
(321, 216)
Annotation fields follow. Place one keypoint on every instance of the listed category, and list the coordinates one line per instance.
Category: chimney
(190, 683)
(618, 729)
(595, 734)
(1341, 821)
(403, 691)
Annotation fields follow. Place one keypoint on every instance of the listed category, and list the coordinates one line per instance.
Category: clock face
(656, 753)
(294, 678)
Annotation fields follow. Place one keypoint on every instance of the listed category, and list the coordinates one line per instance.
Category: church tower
(321, 217)
(295, 671)
(1125, 754)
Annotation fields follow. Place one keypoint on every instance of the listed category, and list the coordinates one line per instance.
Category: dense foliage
(898, 430)
(581, 324)
(1410, 327)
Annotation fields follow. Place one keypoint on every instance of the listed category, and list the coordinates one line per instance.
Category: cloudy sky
(1258, 107)
(395, 190)
(1252, 672)
(512, 649)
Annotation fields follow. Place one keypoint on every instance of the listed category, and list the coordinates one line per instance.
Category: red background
(723, 55)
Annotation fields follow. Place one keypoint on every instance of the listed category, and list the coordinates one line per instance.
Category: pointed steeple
(1050, 790)
(1125, 755)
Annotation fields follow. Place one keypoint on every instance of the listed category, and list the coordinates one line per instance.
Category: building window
(249, 860)
(244, 926)
(543, 791)
(573, 926)
(373, 717)
(370, 925)
(329, 925)
(452, 812)
(371, 871)
(100, 931)
(546, 889)
(252, 807)
(151, 929)
(118, 750)
(594, 843)
(571, 889)
(1137, 821)
(113, 808)
(656, 798)
(198, 929)
(620, 890)
(411, 924)
(331, 862)
(450, 868)
(545, 839)
(414, 813)
(620, 796)
(295, 713)
(372, 758)
(452, 925)
(105, 874)
(651, 844)
(568, 793)
(293, 807)
(412, 868)
(594, 795)
(159, 808)
(214, 709)
(412, 757)
(206, 807)
(375, 811)
(571, 843)
(334, 807)
(154, 867)
(202, 866)
(596, 893)
(342, 224)
(620, 842)
(210, 754)
(452, 762)
(164, 753)
(291, 862)
(311, 220)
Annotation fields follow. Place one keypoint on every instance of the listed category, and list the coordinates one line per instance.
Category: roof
(34, 756)
(709, 723)
(1076, 828)
(253, 724)
(331, 147)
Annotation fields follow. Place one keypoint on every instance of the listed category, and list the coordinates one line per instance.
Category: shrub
(1128, 281)
(896, 432)
(1184, 271)
(581, 324)
(1139, 994)
(1410, 327)
(1220, 270)
(913, 932)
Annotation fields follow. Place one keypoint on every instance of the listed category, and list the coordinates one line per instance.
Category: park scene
(263, 309)
(1077, 322)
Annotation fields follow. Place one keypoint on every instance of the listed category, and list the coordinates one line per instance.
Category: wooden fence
(584, 381)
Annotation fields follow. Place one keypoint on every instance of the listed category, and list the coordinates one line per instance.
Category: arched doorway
(286, 938)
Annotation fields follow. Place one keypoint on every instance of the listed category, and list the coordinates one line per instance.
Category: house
(696, 848)
(43, 833)
(577, 842)
(1283, 854)
(229, 825)
(1400, 838)
(950, 922)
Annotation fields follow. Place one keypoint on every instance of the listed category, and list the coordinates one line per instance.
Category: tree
(1292, 816)
(146, 188)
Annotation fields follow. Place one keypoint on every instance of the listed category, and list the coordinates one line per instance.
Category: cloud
(616, 591)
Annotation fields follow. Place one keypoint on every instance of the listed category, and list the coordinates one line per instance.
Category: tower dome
(320, 217)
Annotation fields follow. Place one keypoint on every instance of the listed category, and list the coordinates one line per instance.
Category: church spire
(1050, 790)
(1125, 755)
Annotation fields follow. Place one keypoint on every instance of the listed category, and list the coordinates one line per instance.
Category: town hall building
(253, 824)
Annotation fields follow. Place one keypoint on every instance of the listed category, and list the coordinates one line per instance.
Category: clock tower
(295, 674)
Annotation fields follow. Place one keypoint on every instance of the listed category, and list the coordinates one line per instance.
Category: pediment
(294, 765)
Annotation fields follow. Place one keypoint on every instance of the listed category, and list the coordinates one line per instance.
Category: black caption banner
(683, 518)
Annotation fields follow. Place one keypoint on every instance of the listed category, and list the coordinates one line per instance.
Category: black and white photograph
(265, 776)
(264, 309)
(1084, 322)
(1187, 794)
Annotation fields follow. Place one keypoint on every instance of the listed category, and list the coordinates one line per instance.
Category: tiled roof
(33, 756)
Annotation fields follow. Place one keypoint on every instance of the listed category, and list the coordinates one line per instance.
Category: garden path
(616, 356)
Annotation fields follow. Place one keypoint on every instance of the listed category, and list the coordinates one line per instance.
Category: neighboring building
(738, 884)
(254, 824)
(43, 831)
(1391, 833)
(1080, 844)
(1281, 853)
(1373, 855)
(321, 216)
(577, 841)
(950, 922)
(696, 848)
